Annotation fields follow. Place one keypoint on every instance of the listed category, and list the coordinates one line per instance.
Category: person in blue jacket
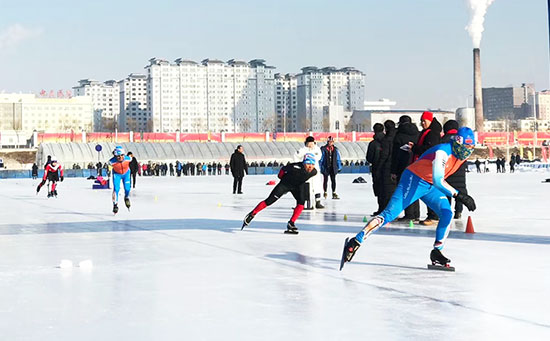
(425, 180)
(330, 166)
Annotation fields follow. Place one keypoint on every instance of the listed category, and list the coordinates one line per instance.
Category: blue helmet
(309, 159)
(118, 151)
(463, 143)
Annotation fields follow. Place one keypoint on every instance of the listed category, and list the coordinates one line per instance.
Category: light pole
(534, 124)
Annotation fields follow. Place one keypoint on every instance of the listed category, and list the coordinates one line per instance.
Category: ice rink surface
(178, 267)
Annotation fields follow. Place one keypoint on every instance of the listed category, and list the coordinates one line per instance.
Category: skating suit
(316, 182)
(121, 172)
(425, 180)
(53, 173)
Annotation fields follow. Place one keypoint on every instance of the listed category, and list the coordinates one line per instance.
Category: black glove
(61, 178)
(40, 186)
(467, 200)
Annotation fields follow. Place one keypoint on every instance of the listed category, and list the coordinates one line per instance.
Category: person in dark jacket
(429, 137)
(373, 158)
(293, 179)
(512, 163)
(388, 183)
(457, 179)
(134, 166)
(518, 159)
(237, 163)
(330, 166)
(407, 133)
(34, 171)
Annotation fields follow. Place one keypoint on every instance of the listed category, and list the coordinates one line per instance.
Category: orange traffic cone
(469, 226)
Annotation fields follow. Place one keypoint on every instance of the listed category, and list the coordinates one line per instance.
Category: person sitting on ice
(293, 178)
(425, 180)
(121, 172)
(53, 172)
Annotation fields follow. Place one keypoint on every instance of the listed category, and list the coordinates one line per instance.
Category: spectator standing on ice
(315, 182)
(330, 166)
(374, 152)
(238, 166)
(34, 171)
(429, 136)
(407, 133)
(134, 167)
(388, 183)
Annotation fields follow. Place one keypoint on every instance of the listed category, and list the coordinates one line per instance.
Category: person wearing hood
(407, 133)
(385, 159)
(315, 182)
(238, 167)
(458, 178)
(429, 136)
(374, 151)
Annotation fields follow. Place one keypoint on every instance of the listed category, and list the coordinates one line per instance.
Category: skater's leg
(438, 202)
(300, 195)
(275, 194)
(127, 184)
(116, 186)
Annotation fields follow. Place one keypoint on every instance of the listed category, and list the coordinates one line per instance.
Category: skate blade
(441, 267)
(290, 232)
(343, 259)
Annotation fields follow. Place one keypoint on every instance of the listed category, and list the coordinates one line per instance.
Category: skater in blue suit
(425, 180)
(121, 172)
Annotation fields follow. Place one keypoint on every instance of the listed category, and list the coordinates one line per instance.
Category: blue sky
(415, 52)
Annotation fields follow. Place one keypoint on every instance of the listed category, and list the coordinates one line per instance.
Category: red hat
(427, 115)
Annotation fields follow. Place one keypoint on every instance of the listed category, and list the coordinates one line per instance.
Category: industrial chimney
(478, 100)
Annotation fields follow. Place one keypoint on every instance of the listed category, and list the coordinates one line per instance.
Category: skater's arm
(438, 174)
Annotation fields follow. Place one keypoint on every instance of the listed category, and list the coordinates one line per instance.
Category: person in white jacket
(316, 182)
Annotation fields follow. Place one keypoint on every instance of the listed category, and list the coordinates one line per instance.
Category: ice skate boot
(350, 247)
(50, 194)
(439, 262)
(115, 208)
(318, 205)
(247, 220)
(291, 228)
(325, 194)
(54, 193)
(335, 196)
(127, 203)
(458, 215)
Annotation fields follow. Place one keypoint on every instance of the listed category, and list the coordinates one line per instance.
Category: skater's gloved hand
(62, 178)
(467, 200)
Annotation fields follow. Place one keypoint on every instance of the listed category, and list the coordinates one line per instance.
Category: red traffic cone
(469, 226)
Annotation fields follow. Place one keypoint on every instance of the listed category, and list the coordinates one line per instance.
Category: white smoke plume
(14, 34)
(478, 9)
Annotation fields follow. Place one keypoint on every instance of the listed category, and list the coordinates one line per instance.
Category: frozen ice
(86, 264)
(65, 264)
(178, 267)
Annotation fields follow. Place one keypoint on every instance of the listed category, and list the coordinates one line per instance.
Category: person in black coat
(34, 171)
(331, 165)
(429, 136)
(458, 179)
(388, 183)
(237, 163)
(512, 163)
(133, 169)
(374, 151)
(401, 158)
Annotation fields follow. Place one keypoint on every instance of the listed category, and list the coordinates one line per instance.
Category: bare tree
(269, 124)
(245, 125)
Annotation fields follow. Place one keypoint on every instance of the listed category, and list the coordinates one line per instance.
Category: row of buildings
(237, 96)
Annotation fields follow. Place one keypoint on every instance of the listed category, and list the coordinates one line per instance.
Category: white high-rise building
(211, 96)
(286, 102)
(105, 99)
(134, 112)
(320, 88)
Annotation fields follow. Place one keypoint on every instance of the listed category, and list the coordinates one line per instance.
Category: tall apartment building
(134, 112)
(213, 95)
(508, 103)
(26, 113)
(105, 100)
(543, 105)
(329, 86)
(286, 99)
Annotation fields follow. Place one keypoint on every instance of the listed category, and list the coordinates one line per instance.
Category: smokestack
(478, 100)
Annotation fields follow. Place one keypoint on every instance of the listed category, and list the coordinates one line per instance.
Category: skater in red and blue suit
(425, 180)
(121, 172)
